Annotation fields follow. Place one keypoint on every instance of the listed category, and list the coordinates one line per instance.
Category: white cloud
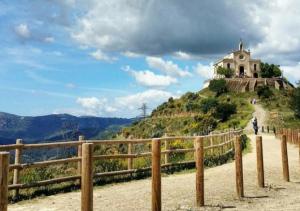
(130, 54)
(99, 55)
(162, 27)
(49, 39)
(292, 72)
(205, 71)
(278, 21)
(183, 55)
(150, 79)
(95, 106)
(126, 106)
(23, 31)
(151, 97)
(167, 67)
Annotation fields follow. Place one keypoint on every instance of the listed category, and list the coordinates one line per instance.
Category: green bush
(295, 101)
(264, 92)
(207, 104)
(218, 86)
(227, 72)
(224, 111)
(270, 70)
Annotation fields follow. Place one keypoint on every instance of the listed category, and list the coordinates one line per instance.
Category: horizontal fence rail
(220, 143)
(223, 141)
(292, 135)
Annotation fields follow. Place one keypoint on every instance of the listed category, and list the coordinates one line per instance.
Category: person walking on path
(255, 125)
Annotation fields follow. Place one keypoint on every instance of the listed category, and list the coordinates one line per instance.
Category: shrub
(270, 70)
(295, 101)
(190, 96)
(218, 86)
(191, 106)
(224, 111)
(264, 92)
(207, 104)
(227, 72)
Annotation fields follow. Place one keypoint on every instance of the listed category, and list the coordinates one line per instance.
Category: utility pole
(144, 109)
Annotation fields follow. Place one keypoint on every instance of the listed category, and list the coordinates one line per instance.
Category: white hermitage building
(241, 62)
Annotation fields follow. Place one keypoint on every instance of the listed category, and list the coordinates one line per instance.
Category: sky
(108, 57)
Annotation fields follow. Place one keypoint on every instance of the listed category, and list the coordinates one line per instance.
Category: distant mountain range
(55, 127)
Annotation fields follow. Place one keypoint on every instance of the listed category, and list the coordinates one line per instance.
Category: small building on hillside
(246, 72)
(241, 62)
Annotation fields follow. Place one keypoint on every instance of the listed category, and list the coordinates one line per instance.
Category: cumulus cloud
(183, 55)
(126, 106)
(131, 54)
(150, 79)
(99, 55)
(205, 71)
(167, 67)
(151, 97)
(22, 31)
(281, 40)
(95, 106)
(164, 27)
(292, 72)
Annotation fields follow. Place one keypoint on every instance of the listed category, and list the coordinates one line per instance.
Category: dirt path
(178, 191)
(261, 116)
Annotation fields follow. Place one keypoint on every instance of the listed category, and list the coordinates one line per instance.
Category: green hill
(205, 111)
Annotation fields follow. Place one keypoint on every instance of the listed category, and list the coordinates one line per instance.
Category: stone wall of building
(251, 84)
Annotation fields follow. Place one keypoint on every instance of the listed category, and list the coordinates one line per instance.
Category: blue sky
(106, 58)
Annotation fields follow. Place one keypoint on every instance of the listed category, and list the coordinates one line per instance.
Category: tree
(207, 104)
(218, 86)
(227, 72)
(295, 101)
(270, 70)
(264, 92)
(224, 111)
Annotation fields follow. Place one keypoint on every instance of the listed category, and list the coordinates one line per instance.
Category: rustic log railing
(292, 135)
(221, 143)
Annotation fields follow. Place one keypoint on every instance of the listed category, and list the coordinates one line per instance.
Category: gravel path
(178, 191)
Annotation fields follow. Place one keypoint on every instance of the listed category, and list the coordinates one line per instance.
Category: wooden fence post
(130, 160)
(156, 175)
(87, 177)
(4, 162)
(167, 155)
(285, 161)
(199, 172)
(211, 144)
(18, 160)
(79, 153)
(260, 162)
(239, 167)
(268, 129)
(262, 129)
(299, 145)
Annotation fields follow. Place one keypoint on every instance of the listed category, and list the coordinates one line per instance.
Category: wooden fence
(221, 143)
(292, 135)
(202, 145)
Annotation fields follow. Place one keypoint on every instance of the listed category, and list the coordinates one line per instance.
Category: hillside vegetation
(215, 108)
(199, 113)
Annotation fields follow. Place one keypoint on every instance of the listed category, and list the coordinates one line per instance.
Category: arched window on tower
(254, 67)
(228, 65)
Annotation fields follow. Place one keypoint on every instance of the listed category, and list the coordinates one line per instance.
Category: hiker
(254, 101)
(255, 125)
